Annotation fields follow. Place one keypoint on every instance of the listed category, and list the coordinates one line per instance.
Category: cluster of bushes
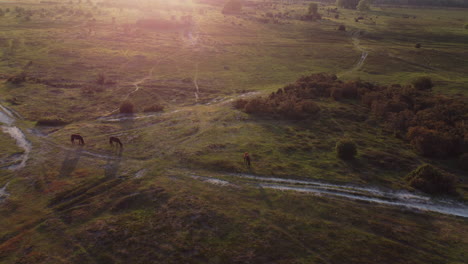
(429, 179)
(435, 125)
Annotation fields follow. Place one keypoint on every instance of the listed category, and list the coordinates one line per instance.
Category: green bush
(346, 149)
(423, 83)
(126, 107)
(430, 180)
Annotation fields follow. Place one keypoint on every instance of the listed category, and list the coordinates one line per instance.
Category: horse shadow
(69, 164)
(113, 165)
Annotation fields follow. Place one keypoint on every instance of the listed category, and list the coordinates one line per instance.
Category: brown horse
(247, 159)
(116, 140)
(77, 137)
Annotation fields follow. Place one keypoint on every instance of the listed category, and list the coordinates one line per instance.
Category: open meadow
(188, 90)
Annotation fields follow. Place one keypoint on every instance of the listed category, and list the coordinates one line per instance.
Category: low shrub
(346, 149)
(418, 45)
(154, 108)
(423, 83)
(430, 180)
(342, 28)
(126, 107)
(51, 122)
(465, 26)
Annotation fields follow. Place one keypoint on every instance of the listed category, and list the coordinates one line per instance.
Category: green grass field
(155, 201)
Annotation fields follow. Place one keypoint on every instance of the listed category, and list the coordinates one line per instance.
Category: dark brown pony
(247, 159)
(77, 137)
(116, 140)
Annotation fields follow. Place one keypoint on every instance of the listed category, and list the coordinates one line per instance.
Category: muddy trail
(8, 120)
(3, 193)
(375, 195)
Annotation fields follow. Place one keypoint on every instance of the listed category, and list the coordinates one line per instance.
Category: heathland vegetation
(354, 114)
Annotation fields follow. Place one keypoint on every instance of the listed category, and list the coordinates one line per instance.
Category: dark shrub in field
(346, 149)
(51, 122)
(154, 108)
(423, 83)
(418, 45)
(433, 143)
(126, 107)
(431, 180)
(342, 28)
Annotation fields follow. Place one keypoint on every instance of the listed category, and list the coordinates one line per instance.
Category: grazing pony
(116, 140)
(77, 137)
(247, 159)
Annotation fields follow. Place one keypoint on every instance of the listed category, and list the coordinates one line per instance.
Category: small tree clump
(430, 180)
(364, 5)
(423, 83)
(126, 107)
(418, 45)
(342, 28)
(346, 149)
(313, 7)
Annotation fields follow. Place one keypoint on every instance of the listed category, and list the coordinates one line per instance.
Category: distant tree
(364, 5)
(232, 7)
(349, 4)
(313, 7)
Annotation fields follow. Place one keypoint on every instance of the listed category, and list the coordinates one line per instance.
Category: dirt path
(195, 83)
(401, 199)
(357, 45)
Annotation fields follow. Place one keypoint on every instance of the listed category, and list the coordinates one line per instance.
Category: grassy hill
(178, 191)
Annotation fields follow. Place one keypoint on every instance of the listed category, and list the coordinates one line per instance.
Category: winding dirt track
(400, 199)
